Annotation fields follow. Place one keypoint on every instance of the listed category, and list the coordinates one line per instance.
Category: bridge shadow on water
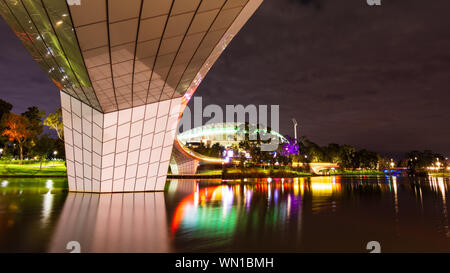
(126, 222)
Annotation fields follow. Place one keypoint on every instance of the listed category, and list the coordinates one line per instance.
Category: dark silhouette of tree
(35, 126)
(313, 151)
(214, 151)
(5, 108)
(34, 116)
(366, 159)
(347, 155)
(43, 148)
(418, 162)
(332, 153)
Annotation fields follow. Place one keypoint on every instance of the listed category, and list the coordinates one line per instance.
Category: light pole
(438, 165)
(391, 165)
(295, 129)
(445, 166)
(54, 157)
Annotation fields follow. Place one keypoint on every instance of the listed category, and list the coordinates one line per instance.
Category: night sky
(373, 77)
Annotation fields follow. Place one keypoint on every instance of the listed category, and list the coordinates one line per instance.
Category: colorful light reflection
(211, 208)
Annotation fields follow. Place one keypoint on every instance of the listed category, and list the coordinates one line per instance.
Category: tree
(289, 148)
(347, 156)
(34, 116)
(54, 121)
(216, 150)
(384, 163)
(43, 147)
(242, 160)
(419, 161)
(366, 159)
(332, 153)
(252, 148)
(281, 158)
(5, 108)
(35, 126)
(17, 129)
(314, 151)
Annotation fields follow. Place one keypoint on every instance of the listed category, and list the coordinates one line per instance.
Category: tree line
(21, 135)
(348, 157)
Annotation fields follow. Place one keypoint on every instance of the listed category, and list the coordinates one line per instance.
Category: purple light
(289, 148)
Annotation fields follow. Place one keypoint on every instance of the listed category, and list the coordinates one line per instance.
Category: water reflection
(438, 183)
(317, 214)
(129, 222)
(223, 213)
(28, 210)
(309, 214)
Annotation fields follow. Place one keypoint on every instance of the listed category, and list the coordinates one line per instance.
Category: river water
(318, 214)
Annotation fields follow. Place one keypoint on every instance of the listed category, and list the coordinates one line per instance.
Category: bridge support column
(123, 151)
(181, 164)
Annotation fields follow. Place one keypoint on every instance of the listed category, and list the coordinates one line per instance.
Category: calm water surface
(318, 214)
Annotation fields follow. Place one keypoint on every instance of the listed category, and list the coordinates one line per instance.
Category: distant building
(226, 134)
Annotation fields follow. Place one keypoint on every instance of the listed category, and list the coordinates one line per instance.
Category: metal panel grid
(123, 151)
(139, 52)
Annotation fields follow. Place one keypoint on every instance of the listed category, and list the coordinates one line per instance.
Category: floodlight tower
(295, 129)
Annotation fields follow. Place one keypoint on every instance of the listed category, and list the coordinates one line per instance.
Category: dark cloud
(375, 77)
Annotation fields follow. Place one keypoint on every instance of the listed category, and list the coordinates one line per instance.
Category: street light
(392, 165)
(438, 164)
(446, 166)
(54, 153)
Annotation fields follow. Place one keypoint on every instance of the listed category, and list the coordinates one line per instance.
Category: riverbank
(361, 172)
(253, 173)
(49, 169)
(446, 174)
(34, 169)
(237, 173)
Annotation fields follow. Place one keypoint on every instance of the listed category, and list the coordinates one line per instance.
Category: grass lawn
(446, 174)
(290, 173)
(361, 172)
(51, 168)
(254, 171)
